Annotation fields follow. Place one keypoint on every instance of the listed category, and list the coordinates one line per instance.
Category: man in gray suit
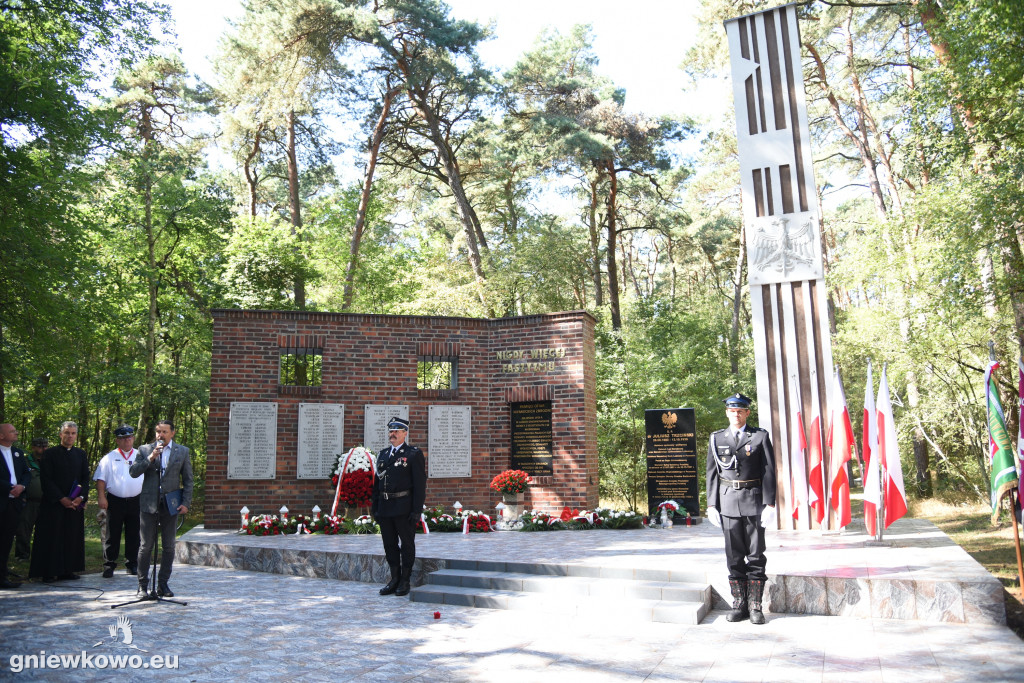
(166, 493)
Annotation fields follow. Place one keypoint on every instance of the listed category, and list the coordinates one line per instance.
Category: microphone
(159, 444)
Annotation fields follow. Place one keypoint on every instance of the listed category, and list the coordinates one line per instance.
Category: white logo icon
(121, 634)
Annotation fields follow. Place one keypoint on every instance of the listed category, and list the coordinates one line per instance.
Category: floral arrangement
(364, 524)
(511, 481)
(617, 519)
(292, 524)
(263, 525)
(357, 480)
(439, 520)
(330, 525)
(474, 521)
(534, 520)
(672, 509)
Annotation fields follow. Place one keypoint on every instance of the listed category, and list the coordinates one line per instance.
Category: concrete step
(675, 602)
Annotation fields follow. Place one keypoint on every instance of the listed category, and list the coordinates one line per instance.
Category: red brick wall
(372, 359)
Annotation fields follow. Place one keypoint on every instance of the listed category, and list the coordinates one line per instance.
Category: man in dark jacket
(741, 500)
(399, 489)
(14, 479)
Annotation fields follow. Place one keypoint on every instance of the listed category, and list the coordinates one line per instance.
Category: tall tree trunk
(595, 244)
(3, 399)
(295, 206)
(251, 177)
(613, 237)
(151, 272)
(364, 198)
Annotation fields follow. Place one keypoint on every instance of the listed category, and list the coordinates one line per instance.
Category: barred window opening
(301, 367)
(437, 373)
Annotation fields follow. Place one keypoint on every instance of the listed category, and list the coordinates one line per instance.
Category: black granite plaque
(672, 459)
(531, 437)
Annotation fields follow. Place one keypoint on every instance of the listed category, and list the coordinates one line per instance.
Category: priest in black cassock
(58, 550)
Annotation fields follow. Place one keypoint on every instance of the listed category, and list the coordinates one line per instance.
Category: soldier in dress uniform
(741, 500)
(399, 489)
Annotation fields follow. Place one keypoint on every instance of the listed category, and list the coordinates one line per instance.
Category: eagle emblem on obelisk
(780, 247)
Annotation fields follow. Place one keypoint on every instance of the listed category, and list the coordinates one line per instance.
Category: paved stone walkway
(269, 627)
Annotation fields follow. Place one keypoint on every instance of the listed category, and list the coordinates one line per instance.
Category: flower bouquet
(439, 520)
(363, 524)
(534, 520)
(511, 482)
(473, 521)
(263, 525)
(329, 525)
(617, 519)
(352, 479)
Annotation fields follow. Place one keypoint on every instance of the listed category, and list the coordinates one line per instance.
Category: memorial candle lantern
(458, 508)
(316, 512)
(284, 513)
(245, 516)
(500, 510)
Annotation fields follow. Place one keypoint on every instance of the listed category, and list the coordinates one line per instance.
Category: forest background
(135, 198)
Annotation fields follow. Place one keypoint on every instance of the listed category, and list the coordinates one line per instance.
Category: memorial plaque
(321, 432)
(672, 459)
(375, 425)
(532, 445)
(252, 441)
(450, 449)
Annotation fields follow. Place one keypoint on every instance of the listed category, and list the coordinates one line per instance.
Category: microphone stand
(153, 596)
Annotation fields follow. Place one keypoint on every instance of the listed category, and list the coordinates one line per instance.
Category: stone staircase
(582, 590)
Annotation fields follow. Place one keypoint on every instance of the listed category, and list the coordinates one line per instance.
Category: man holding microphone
(166, 469)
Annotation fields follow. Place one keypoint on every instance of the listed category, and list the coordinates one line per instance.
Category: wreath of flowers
(439, 520)
(474, 520)
(618, 519)
(511, 481)
(263, 525)
(357, 480)
(534, 520)
(364, 524)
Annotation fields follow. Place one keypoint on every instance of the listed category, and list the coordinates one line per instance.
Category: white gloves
(714, 517)
(768, 517)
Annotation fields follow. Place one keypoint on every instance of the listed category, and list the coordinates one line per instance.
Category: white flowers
(358, 459)
(363, 520)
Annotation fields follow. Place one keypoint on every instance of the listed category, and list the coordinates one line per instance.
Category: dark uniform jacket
(21, 473)
(753, 459)
(405, 471)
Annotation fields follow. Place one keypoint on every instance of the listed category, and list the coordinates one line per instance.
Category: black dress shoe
(69, 577)
(8, 585)
(164, 591)
(108, 573)
(144, 594)
(132, 570)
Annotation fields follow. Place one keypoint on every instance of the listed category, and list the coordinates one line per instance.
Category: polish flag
(869, 449)
(840, 444)
(889, 456)
(798, 464)
(817, 479)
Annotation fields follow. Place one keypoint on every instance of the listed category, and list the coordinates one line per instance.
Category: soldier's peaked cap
(738, 401)
(398, 423)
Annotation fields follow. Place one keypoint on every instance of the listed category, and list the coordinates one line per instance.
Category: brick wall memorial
(268, 367)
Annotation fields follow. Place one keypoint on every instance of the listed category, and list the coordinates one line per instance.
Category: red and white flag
(889, 456)
(840, 444)
(869, 450)
(798, 451)
(816, 480)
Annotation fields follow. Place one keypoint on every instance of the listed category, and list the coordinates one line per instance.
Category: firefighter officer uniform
(741, 500)
(399, 489)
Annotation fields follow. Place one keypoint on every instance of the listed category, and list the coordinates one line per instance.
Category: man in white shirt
(118, 494)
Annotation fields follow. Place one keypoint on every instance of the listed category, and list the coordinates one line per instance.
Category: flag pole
(883, 475)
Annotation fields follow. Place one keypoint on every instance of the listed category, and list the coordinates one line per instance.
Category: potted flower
(511, 484)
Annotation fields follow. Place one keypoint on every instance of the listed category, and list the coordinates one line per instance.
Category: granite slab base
(919, 573)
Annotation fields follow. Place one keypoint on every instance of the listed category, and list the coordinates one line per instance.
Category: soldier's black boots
(403, 585)
(392, 585)
(756, 590)
(739, 600)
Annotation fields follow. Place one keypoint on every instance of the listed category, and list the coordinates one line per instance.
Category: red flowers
(356, 488)
(511, 481)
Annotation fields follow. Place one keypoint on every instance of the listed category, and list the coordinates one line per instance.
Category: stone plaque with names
(375, 425)
(321, 430)
(450, 448)
(672, 459)
(532, 444)
(252, 441)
